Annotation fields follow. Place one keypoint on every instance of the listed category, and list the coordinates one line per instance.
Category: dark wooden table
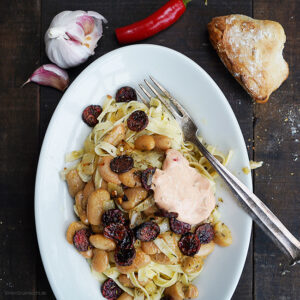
(271, 131)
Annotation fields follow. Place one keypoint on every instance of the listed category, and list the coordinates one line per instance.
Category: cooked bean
(206, 249)
(116, 135)
(141, 260)
(105, 171)
(192, 264)
(144, 143)
(162, 142)
(75, 183)
(161, 258)
(99, 241)
(125, 281)
(111, 257)
(99, 260)
(88, 189)
(130, 178)
(74, 226)
(104, 185)
(95, 206)
(87, 254)
(125, 296)
(79, 207)
(135, 196)
(149, 248)
(175, 291)
(223, 235)
(191, 292)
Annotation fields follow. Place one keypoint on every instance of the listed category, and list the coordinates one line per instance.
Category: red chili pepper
(158, 21)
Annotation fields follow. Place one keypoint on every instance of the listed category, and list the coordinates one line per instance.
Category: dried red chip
(128, 240)
(147, 231)
(115, 231)
(110, 290)
(166, 214)
(137, 121)
(205, 233)
(81, 239)
(178, 226)
(124, 257)
(125, 94)
(113, 216)
(189, 244)
(146, 178)
(119, 233)
(90, 115)
(121, 164)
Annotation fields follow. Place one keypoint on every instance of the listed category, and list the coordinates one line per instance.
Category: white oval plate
(68, 273)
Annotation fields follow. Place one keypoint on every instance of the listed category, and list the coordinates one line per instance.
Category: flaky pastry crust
(252, 51)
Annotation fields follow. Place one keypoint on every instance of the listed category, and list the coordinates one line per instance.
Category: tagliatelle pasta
(165, 265)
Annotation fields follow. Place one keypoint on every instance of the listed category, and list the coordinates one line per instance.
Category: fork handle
(259, 212)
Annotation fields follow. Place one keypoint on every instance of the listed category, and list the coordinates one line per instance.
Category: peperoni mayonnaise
(182, 189)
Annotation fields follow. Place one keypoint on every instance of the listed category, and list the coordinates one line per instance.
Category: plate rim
(249, 182)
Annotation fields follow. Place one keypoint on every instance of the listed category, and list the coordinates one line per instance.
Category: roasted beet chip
(178, 226)
(121, 164)
(189, 244)
(110, 290)
(113, 216)
(125, 94)
(146, 178)
(205, 233)
(90, 115)
(166, 214)
(124, 257)
(137, 121)
(147, 231)
(81, 239)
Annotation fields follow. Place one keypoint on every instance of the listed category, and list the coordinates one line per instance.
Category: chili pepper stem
(185, 2)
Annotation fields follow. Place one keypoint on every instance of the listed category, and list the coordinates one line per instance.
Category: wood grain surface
(271, 131)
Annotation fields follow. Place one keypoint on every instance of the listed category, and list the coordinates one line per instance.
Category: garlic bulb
(73, 36)
(50, 75)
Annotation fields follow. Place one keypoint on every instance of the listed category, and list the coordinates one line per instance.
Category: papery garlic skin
(73, 36)
(50, 75)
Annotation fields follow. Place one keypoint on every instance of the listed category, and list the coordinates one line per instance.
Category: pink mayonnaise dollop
(182, 189)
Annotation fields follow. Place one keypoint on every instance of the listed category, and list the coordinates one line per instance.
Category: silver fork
(253, 205)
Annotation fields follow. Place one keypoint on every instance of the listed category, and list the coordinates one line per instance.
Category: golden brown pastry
(252, 51)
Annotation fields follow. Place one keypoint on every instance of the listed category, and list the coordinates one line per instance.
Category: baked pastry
(252, 51)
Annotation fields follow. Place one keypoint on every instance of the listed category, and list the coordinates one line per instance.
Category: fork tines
(177, 111)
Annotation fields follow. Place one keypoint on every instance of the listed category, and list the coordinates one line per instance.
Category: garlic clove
(50, 75)
(73, 36)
